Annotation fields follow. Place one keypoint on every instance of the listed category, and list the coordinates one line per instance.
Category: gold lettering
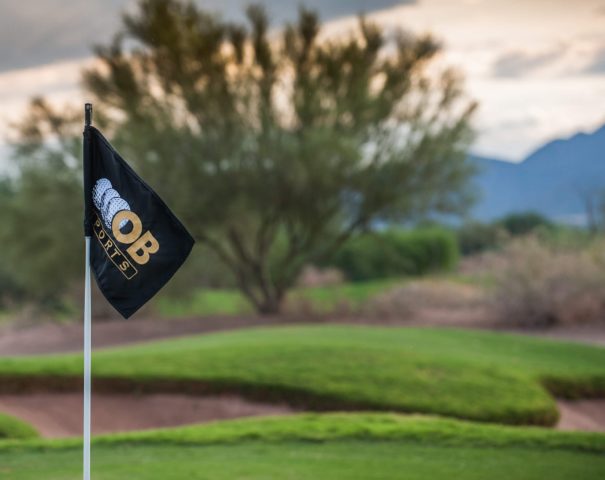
(113, 251)
(137, 227)
(143, 248)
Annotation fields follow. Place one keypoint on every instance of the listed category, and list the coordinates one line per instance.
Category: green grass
(466, 374)
(205, 302)
(353, 446)
(11, 427)
(231, 302)
(353, 295)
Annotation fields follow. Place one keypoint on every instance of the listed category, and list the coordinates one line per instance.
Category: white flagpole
(87, 297)
(87, 362)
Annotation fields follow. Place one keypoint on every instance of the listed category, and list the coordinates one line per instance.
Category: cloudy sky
(537, 67)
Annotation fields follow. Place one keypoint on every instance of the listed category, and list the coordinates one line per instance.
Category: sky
(536, 67)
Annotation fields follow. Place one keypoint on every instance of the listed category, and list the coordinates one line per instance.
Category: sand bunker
(57, 415)
(587, 415)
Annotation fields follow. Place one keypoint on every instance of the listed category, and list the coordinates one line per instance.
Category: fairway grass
(353, 460)
(329, 446)
(320, 299)
(465, 374)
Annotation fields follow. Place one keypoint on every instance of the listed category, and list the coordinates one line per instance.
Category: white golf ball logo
(108, 202)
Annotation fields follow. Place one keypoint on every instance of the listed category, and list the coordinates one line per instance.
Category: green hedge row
(394, 253)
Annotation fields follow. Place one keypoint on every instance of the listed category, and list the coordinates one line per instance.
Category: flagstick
(87, 297)
(87, 362)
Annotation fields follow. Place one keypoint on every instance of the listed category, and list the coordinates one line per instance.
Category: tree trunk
(269, 306)
(266, 298)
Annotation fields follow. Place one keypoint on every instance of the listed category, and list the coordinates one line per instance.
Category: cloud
(45, 31)
(50, 30)
(597, 64)
(519, 63)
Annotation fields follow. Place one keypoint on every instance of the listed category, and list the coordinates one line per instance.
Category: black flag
(137, 243)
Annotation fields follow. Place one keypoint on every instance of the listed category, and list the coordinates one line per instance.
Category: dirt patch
(57, 415)
(586, 415)
(590, 333)
(58, 338)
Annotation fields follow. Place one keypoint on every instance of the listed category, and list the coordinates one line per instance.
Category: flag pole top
(87, 114)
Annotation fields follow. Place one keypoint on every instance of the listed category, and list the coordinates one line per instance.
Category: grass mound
(473, 375)
(11, 428)
(312, 446)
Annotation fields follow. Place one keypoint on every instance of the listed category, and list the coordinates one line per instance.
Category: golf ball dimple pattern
(99, 189)
(108, 196)
(115, 205)
(108, 202)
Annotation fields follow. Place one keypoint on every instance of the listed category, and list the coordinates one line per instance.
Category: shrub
(542, 285)
(395, 253)
(431, 300)
(523, 223)
(478, 237)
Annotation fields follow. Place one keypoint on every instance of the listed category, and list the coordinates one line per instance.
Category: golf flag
(137, 243)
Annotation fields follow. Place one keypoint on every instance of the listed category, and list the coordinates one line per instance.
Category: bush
(542, 285)
(396, 253)
(517, 224)
(478, 237)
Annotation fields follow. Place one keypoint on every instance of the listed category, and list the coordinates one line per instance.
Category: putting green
(459, 373)
(465, 374)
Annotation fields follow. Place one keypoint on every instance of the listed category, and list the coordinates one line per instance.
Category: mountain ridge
(555, 180)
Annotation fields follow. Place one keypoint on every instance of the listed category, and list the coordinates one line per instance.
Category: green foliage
(523, 223)
(10, 290)
(323, 447)
(40, 222)
(13, 428)
(202, 270)
(328, 298)
(252, 137)
(204, 302)
(476, 237)
(465, 374)
(396, 253)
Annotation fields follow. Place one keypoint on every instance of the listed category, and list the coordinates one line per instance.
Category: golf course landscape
(302, 240)
(393, 388)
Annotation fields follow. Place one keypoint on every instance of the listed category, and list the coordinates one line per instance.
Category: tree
(41, 216)
(276, 148)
